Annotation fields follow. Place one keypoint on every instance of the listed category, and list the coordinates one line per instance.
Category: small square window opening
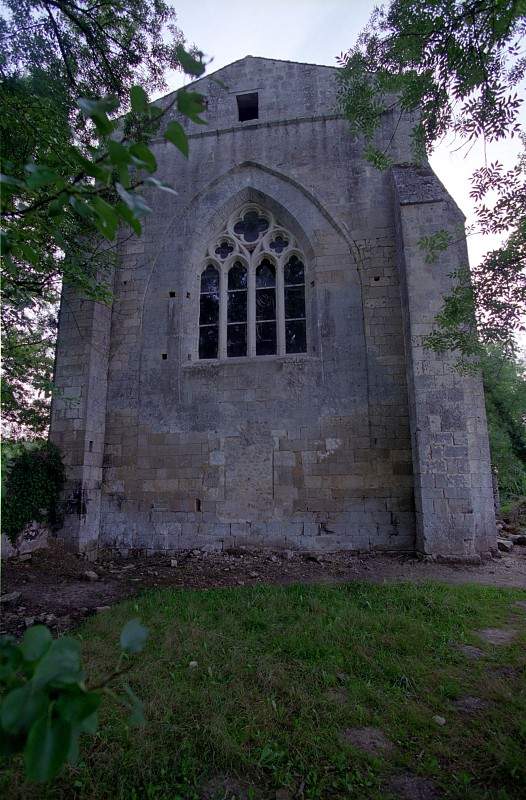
(247, 106)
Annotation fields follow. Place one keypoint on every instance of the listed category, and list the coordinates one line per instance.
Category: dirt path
(52, 586)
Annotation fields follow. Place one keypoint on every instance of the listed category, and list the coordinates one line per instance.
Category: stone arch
(315, 229)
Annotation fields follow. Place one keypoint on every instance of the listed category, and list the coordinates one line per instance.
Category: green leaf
(107, 219)
(47, 748)
(10, 181)
(90, 724)
(138, 99)
(97, 171)
(102, 106)
(143, 156)
(81, 207)
(128, 216)
(76, 706)
(21, 707)
(60, 666)
(133, 636)
(98, 110)
(135, 706)
(191, 104)
(176, 135)
(73, 751)
(160, 185)
(35, 642)
(29, 254)
(10, 655)
(40, 175)
(118, 153)
(191, 65)
(133, 200)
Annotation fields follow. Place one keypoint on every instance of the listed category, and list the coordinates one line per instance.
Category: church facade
(260, 377)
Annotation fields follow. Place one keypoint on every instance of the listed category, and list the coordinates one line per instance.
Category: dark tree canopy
(68, 69)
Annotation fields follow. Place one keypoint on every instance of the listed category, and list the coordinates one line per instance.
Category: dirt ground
(56, 588)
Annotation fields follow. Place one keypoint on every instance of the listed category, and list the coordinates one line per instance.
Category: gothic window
(252, 297)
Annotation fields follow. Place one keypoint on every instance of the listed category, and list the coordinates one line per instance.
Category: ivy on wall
(32, 479)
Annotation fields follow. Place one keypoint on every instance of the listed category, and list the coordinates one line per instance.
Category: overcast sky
(316, 31)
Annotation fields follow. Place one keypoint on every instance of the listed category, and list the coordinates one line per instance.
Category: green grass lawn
(283, 672)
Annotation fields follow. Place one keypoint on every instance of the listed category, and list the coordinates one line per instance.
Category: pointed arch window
(253, 290)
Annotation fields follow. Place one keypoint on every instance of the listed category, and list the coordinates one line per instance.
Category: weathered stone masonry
(365, 441)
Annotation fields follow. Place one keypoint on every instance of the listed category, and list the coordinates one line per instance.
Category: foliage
(32, 479)
(45, 705)
(74, 135)
(259, 684)
(456, 66)
(505, 390)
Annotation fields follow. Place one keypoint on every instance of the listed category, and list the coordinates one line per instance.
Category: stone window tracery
(252, 290)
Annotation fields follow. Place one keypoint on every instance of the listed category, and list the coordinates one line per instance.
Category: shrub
(32, 479)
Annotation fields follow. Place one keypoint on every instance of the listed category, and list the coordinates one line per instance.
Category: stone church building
(260, 377)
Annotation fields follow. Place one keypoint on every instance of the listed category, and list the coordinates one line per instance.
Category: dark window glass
(237, 307)
(208, 341)
(266, 309)
(224, 249)
(295, 325)
(236, 345)
(209, 314)
(265, 338)
(210, 280)
(265, 275)
(295, 336)
(295, 302)
(237, 276)
(294, 271)
(279, 244)
(209, 310)
(266, 304)
(236, 332)
(251, 226)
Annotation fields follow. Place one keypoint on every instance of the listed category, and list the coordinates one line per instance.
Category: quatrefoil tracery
(249, 232)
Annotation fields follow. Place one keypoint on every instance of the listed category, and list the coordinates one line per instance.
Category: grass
(282, 671)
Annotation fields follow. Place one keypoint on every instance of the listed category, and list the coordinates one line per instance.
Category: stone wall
(311, 451)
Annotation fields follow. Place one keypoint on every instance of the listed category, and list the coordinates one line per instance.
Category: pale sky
(316, 31)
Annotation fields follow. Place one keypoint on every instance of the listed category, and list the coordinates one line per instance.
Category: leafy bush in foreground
(44, 703)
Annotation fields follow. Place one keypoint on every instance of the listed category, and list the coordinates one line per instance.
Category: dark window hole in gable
(188, 295)
(376, 278)
(248, 106)
(164, 356)
(90, 447)
(197, 504)
(172, 294)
